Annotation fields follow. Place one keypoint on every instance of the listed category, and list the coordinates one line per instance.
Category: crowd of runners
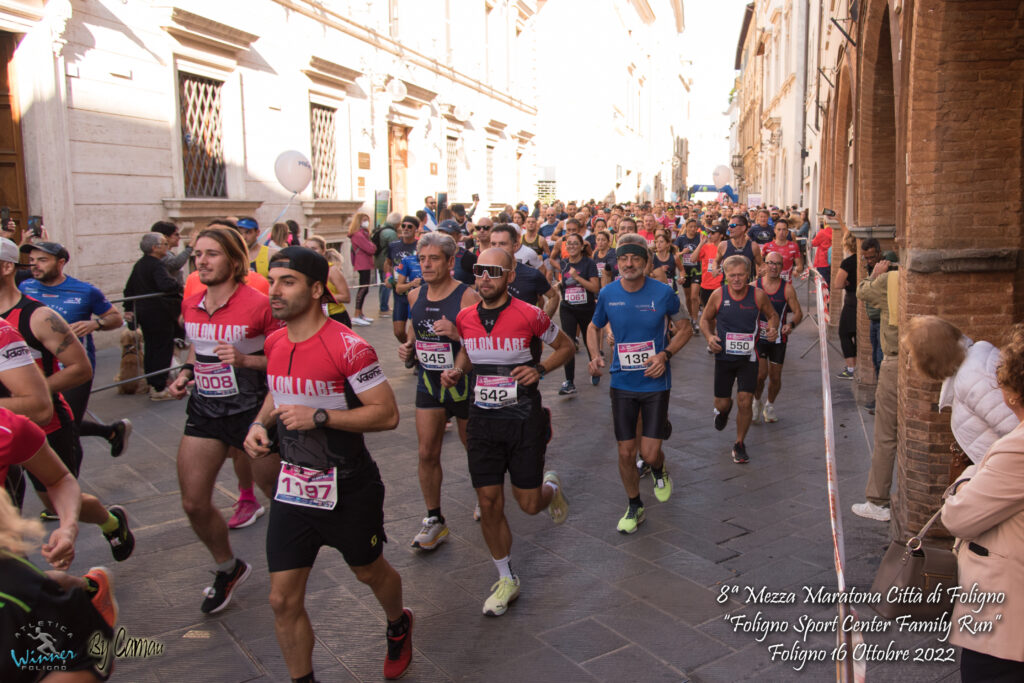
(277, 380)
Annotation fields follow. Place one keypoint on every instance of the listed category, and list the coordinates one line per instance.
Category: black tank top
(779, 303)
(747, 250)
(436, 352)
(669, 265)
(737, 325)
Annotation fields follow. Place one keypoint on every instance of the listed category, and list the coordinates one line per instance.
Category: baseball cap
(9, 251)
(458, 209)
(51, 248)
(307, 262)
(449, 226)
(890, 256)
(248, 224)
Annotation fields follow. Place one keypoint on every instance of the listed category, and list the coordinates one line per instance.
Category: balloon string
(266, 231)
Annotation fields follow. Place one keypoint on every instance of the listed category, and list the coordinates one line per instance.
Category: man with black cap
(326, 390)
(77, 302)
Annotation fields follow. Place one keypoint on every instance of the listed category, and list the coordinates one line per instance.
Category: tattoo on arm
(59, 326)
(69, 339)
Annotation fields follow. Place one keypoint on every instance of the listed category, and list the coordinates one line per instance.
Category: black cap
(458, 209)
(307, 262)
(51, 248)
(449, 226)
(412, 220)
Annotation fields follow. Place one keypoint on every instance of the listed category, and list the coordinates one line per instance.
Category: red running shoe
(103, 599)
(399, 650)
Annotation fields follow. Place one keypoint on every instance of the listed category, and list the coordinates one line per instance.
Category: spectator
(429, 208)
(335, 279)
(157, 316)
(822, 242)
(382, 237)
(362, 252)
(967, 369)
(173, 262)
(846, 279)
(984, 509)
(278, 236)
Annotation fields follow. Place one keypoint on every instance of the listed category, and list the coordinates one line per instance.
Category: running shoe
(769, 413)
(642, 468)
(247, 511)
(756, 409)
(869, 510)
(476, 513)
(399, 649)
(558, 508)
(845, 374)
(503, 593)
(663, 486)
(633, 518)
(721, 419)
(433, 533)
(367, 319)
(47, 516)
(102, 595)
(360, 322)
(568, 389)
(119, 441)
(121, 539)
(595, 379)
(224, 584)
(739, 453)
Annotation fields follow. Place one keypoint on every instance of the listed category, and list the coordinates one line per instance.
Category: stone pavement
(595, 605)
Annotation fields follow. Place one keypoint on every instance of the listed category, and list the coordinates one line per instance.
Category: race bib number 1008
(215, 380)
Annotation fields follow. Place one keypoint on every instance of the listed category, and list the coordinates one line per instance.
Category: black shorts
(627, 406)
(459, 409)
(496, 445)
(705, 294)
(355, 527)
(230, 430)
(692, 276)
(772, 352)
(343, 318)
(742, 373)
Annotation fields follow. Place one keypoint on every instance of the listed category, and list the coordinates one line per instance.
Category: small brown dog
(131, 363)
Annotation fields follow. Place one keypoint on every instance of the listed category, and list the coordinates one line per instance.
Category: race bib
(575, 295)
(787, 276)
(763, 326)
(495, 391)
(215, 380)
(688, 259)
(711, 266)
(737, 344)
(435, 355)
(634, 355)
(308, 488)
(601, 265)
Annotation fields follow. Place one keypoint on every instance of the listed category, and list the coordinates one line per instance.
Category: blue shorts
(400, 311)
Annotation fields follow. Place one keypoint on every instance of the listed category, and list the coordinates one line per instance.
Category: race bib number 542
(495, 391)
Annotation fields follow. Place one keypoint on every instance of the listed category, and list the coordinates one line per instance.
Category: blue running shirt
(74, 299)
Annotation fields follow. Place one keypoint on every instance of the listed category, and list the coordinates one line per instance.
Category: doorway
(398, 165)
(12, 161)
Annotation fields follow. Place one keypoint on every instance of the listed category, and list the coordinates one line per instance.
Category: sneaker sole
(252, 520)
(739, 461)
(124, 439)
(441, 538)
(131, 536)
(489, 613)
(231, 593)
(110, 589)
(641, 520)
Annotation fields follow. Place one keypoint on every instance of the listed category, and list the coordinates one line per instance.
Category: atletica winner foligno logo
(47, 645)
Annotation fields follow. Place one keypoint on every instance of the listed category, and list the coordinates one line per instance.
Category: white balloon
(722, 176)
(293, 170)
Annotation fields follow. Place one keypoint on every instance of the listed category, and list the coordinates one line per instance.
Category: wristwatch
(668, 354)
(541, 370)
(320, 417)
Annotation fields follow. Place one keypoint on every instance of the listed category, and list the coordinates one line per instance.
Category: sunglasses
(409, 225)
(492, 272)
(733, 225)
(777, 264)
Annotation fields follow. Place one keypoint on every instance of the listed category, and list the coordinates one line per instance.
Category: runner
(580, 283)
(772, 354)
(762, 232)
(665, 261)
(326, 390)
(735, 309)
(225, 326)
(64, 363)
(508, 426)
(687, 244)
(640, 311)
(605, 258)
(398, 251)
(707, 256)
(529, 284)
(435, 344)
(783, 244)
(739, 243)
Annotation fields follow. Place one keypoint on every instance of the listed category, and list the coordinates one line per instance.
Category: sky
(712, 30)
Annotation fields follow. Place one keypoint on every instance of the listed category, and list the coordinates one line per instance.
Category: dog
(131, 363)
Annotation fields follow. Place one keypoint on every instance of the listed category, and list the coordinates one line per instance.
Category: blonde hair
(17, 534)
(279, 234)
(320, 241)
(356, 223)
(934, 346)
(1010, 373)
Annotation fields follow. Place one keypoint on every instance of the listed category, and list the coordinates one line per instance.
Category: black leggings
(364, 279)
(78, 399)
(571, 318)
(848, 327)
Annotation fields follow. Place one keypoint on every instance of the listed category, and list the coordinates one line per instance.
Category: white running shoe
(361, 322)
(756, 409)
(869, 510)
(433, 534)
(503, 592)
(769, 412)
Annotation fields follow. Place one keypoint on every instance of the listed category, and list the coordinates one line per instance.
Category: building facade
(127, 113)
(612, 106)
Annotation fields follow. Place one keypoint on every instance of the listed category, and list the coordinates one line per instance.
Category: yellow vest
(262, 263)
(334, 309)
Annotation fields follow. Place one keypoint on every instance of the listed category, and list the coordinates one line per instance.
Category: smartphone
(476, 197)
(35, 224)
(5, 215)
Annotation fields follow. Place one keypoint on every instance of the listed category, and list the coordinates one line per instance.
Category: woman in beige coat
(985, 511)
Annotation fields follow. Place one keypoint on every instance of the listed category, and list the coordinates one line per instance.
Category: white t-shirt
(529, 257)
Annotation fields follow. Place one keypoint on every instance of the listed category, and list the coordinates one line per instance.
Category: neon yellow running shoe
(503, 593)
(663, 486)
(633, 518)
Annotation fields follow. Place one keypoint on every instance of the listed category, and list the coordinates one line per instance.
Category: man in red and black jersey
(326, 390)
(65, 364)
(508, 426)
(226, 326)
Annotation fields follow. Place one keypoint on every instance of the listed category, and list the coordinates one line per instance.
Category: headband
(634, 249)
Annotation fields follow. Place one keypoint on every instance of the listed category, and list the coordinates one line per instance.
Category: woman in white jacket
(967, 370)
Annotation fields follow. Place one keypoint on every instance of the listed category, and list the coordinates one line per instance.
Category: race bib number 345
(495, 391)
(308, 488)
(435, 355)
(634, 355)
